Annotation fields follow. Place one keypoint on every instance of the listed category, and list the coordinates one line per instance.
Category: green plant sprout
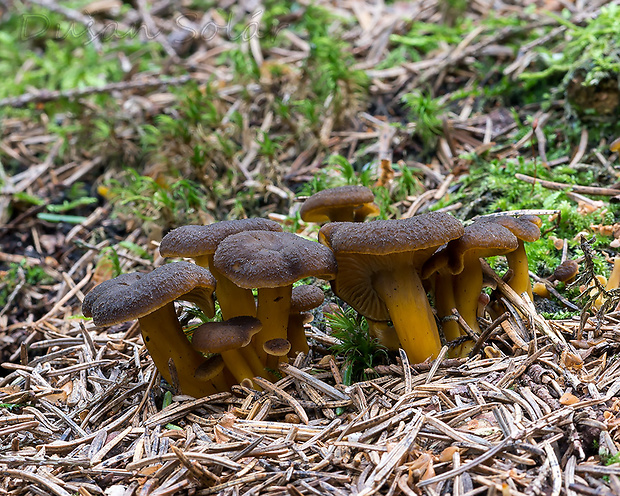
(359, 349)
(425, 112)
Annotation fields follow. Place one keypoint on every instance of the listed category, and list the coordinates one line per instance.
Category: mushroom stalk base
(403, 294)
(164, 338)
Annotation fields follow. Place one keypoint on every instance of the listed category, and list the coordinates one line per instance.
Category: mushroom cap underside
(357, 273)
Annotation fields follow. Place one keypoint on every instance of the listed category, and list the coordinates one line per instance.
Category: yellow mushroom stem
(296, 333)
(612, 283)
(384, 333)
(517, 261)
(444, 303)
(402, 292)
(165, 340)
(274, 305)
(234, 302)
(467, 288)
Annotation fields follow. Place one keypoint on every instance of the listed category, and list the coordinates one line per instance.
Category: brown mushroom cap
(278, 347)
(330, 204)
(306, 298)
(378, 239)
(526, 227)
(110, 286)
(566, 271)
(480, 240)
(130, 297)
(210, 368)
(192, 241)
(231, 334)
(150, 298)
(264, 259)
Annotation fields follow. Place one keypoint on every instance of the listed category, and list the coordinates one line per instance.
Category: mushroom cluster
(382, 268)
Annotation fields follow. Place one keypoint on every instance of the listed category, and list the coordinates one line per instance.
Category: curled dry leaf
(571, 360)
(446, 454)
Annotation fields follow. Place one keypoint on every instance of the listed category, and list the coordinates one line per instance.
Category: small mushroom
(276, 350)
(271, 262)
(228, 338)
(341, 204)
(303, 298)
(379, 267)
(525, 228)
(150, 299)
(565, 272)
(200, 243)
(458, 275)
(210, 368)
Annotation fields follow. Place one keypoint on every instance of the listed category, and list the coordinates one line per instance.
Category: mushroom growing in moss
(271, 262)
(379, 267)
(341, 204)
(150, 299)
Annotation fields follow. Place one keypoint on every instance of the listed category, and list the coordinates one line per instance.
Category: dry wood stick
(586, 190)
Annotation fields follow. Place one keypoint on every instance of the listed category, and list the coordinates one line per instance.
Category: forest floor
(120, 121)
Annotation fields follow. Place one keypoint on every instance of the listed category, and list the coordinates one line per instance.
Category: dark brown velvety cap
(193, 241)
(526, 227)
(210, 368)
(317, 207)
(481, 239)
(565, 271)
(363, 249)
(306, 297)
(103, 288)
(277, 347)
(125, 299)
(231, 334)
(264, 259)
(381, 237)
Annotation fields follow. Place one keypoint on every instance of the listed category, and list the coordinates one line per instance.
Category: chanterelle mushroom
(379, 267)
(458, 279)
(344, 203)
(150, 299)
(271, 262)
(200, 243)
(228, 338)
(525, 228)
